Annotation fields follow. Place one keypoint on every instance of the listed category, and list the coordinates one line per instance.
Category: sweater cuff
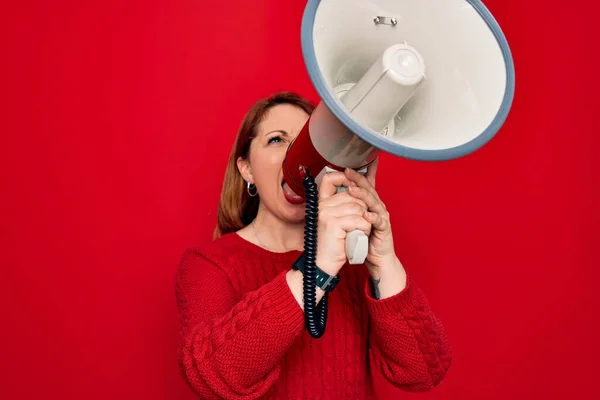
(286, 307)
(396, 304)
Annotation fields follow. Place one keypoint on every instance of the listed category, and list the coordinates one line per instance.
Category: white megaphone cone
(424, 80)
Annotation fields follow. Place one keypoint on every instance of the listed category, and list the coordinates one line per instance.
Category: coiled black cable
(315, 318)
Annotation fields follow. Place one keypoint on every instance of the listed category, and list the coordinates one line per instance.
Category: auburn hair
(236, 207)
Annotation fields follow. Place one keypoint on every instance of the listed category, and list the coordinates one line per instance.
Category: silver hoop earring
(251, 189)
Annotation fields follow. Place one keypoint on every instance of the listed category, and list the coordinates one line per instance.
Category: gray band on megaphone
(328, 97)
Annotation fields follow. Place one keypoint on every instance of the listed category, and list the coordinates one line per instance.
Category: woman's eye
(274, 139)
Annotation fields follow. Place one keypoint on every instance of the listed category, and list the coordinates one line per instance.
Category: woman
(240, 302)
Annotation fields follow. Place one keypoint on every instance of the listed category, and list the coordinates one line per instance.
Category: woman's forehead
(287, 118)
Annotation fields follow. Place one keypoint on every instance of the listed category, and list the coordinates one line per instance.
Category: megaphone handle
(357, 242)
(357, 247)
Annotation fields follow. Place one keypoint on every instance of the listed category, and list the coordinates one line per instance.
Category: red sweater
(243, 334)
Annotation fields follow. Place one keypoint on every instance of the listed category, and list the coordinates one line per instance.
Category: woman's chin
(294, 213)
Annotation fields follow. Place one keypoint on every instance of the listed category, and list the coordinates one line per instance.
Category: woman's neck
(276, 235)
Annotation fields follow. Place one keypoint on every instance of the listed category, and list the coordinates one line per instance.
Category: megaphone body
(425, 80)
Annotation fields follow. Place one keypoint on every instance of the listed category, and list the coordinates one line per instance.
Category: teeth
(289, 191)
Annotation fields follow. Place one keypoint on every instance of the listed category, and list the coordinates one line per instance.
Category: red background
(106, 177)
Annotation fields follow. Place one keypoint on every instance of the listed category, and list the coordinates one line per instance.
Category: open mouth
(289, 194)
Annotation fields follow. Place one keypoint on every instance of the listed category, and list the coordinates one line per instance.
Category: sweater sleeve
(408, 344)
(231, 348)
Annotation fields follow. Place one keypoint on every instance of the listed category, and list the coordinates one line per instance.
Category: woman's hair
(236, 207)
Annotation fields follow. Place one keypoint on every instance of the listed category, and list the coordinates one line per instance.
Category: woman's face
(274, 134)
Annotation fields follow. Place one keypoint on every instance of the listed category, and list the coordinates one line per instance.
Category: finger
(350, 223)
(342, 210)
(378, 221)
(360, 180)
(330, 182)
(372, 171)
(341, 198)
(369, 197)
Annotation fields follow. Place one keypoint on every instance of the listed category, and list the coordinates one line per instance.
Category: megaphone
(425, 80)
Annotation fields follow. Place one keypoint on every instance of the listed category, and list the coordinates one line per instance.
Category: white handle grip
(357, 242)
(357, 247)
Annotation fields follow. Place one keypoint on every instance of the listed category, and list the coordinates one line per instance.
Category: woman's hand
(339, 213)
(381, 243)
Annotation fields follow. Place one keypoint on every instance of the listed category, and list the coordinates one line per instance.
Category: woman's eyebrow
(283, 132)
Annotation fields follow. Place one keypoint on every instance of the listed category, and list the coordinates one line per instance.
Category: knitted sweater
(243, 333)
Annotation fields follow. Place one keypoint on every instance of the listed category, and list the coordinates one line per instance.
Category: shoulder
(218, 253)
(227, 254)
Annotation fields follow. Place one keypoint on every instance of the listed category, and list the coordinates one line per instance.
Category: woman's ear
(245, 169)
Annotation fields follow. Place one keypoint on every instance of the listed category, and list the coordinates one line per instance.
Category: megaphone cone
(424, 80)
